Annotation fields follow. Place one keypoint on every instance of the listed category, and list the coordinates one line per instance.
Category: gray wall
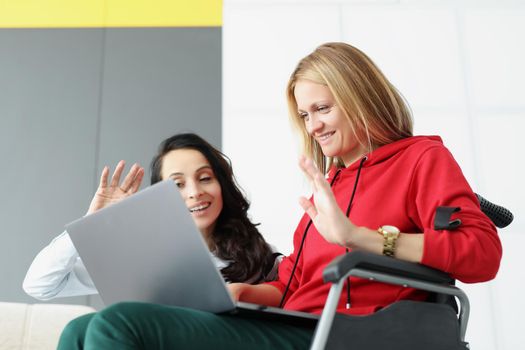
(74, 100)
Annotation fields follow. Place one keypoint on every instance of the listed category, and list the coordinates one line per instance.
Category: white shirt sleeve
(57, 271)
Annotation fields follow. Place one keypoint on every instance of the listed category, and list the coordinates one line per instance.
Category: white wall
(459, 64)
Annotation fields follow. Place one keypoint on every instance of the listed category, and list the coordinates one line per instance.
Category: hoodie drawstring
(347, 215)
(281, 303)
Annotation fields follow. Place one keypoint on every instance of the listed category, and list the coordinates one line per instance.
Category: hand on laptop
(263, 294)
(114, 191)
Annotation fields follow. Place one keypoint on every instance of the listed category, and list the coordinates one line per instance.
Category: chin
(330, 153)
(206, 225)
(203, 226)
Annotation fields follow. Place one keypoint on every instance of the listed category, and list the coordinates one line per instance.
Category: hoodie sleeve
(471, 252)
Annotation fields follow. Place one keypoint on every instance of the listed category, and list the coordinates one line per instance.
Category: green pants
(150, 326)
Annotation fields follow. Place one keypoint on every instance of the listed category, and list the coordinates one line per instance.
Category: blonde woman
(380, 194)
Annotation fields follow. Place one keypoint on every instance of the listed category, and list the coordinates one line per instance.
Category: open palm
(326, 215)
(114, 191)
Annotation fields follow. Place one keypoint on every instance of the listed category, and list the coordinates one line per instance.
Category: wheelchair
(435, 324)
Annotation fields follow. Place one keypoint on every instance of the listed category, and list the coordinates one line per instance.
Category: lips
(200, 207)
(325, 136)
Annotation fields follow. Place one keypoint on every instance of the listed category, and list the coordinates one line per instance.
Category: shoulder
(418, 144)
(218, 262)
(426, 150)
(272, 270)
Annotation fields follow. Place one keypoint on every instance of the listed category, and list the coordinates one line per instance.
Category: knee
(120, 307)
(73, 334)
(137, 317)
(121, 315)
(117, 311)
(120, 326)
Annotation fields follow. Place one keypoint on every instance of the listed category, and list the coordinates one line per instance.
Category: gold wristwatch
(390, 235)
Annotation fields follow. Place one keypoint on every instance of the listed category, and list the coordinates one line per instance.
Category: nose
(314, 124)
(193, 190)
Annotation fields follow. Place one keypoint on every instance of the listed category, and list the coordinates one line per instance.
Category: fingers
(129, 180)
(313, 174)
(104, 177)
(308, 207)
(303, 164)
(306, 167)
(235, 290)
(116, 174)
(309, 168)
(137, 181)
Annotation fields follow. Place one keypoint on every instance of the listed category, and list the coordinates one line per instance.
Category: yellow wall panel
(51, 13)
(164, 13)
(109, 13)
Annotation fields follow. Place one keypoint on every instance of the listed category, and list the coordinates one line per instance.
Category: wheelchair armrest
(386, 270)
(340, 266)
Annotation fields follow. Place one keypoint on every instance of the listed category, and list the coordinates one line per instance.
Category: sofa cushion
(35, 326)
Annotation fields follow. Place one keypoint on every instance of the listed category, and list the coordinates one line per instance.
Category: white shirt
(58, 271)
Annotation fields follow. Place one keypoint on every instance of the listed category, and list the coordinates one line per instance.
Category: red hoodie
(401, 184)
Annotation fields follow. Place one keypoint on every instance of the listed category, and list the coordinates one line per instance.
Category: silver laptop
(147, 248)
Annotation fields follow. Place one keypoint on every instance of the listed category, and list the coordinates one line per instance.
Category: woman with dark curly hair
(218, 207)
(230, 234)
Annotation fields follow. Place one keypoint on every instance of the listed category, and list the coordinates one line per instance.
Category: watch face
(390, 234)
(390, 228)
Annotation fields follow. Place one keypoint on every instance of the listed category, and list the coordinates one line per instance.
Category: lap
(142, 325)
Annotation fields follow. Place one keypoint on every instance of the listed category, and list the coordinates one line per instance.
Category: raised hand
(108, 193)
(326, 215)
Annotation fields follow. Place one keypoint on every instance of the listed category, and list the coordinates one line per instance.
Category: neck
(207, 234)
(354, 155)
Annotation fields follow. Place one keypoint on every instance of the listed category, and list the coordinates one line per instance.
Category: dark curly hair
(235, 238)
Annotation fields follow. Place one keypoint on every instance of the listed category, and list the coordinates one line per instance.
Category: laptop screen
(147, 248)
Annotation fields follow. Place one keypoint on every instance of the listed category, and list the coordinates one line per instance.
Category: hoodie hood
(386, 152)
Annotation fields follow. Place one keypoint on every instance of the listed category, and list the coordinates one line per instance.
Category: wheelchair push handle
(500, 216)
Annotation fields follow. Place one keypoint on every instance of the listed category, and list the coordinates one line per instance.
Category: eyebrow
(314, 105)
(199, 169)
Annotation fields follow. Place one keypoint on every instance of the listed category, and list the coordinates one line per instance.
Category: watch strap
(390, 235)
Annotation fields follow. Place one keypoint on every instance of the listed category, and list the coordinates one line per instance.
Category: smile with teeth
(325, 136)
(200, 207)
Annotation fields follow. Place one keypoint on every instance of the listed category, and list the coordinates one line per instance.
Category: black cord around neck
(281, 303)
(348, 209)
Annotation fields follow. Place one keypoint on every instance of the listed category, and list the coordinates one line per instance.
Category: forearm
(57, 272)
(263, 294)
(409, 246)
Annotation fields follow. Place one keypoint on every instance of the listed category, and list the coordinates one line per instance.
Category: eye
(303, 115)
(205, 179)
(178, 183)
(323, 109)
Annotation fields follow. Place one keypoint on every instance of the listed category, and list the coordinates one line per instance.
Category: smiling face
(198, 186)
(325, 122)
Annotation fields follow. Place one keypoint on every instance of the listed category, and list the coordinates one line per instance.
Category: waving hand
(114, 191)
(326, 215)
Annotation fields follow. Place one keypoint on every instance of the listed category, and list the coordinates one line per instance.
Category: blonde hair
(376, 111)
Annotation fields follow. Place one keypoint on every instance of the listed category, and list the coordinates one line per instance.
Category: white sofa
(35, 326)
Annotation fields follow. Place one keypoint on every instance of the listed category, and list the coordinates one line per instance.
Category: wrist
(366, 239)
